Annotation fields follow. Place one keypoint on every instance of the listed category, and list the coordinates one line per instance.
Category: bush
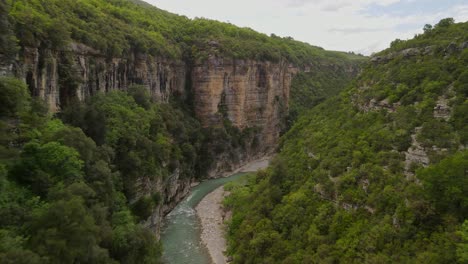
(14, 97)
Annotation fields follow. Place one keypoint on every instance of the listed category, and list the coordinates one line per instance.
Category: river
(180, 235)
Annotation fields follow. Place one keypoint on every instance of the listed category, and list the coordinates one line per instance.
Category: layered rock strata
(80, 71)
(247, 92)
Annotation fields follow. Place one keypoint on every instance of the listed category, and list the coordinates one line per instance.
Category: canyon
(248, 93)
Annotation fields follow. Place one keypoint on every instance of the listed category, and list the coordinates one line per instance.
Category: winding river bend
(182, 229)
(181, 233)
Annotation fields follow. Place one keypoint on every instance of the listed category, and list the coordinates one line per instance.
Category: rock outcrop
(251, 94)
(80, 71)
(173, 190)
(450, 50)
(248, 93)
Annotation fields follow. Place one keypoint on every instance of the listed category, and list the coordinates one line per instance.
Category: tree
(133, 243)
(14, 96)
(427, 28)
(395, 43)
(65, 232)
(12, 249)
(446, 184)
(42, 166)
(141, 95)
(8, 41)
(446, 22)
(462, 247)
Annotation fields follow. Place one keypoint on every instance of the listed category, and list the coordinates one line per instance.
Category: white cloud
(334, 25)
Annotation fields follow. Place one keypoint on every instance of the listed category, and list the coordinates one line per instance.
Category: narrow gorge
(252, 95)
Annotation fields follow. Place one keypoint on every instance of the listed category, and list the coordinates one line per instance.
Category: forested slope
(64, 191)
(119, 27)
(375, 175)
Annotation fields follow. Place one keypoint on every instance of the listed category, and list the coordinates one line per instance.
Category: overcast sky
(362, 26)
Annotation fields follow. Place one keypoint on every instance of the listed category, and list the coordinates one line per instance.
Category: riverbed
(181, 233)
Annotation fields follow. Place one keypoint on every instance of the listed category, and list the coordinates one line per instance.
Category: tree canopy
(377, 174)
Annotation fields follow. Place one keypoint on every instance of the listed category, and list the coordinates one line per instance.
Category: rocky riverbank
(212, 216)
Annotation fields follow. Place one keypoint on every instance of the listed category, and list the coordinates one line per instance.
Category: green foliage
(66, 232)
(341, 190)
(14, 97)
(122, 27)
(439, 37)
(141, 95)
(42, 166)
(310, 89)
(462, 247)
(132, 243)
(8, 45)
(143, 207)
(447, 185)
(444, 23)
(61, 193)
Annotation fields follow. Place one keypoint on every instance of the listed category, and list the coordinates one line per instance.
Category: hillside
(374, 175)
(120, 27)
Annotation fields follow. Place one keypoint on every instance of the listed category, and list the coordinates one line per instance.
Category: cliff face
(251, 94)
(248, 93)
(173, 189)
(80, 71)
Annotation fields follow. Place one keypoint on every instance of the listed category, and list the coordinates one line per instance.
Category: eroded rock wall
(80, 71)
(173, 190)
(249, 93)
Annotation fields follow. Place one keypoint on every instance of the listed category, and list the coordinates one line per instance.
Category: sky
(361, 26)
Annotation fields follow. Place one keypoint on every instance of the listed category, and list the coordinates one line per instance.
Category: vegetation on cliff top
(122, 27)
(349, 184)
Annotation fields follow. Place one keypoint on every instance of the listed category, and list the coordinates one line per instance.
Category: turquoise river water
(180, 234)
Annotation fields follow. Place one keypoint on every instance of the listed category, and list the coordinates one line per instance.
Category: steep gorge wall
(80, 71)
(249, 93)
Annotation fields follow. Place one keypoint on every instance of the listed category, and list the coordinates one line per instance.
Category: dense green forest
(121, 27)
(309, 89)
(64, 188)
(347, 185)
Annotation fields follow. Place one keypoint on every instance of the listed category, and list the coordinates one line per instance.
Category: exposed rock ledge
(451, 49)
(212, 216)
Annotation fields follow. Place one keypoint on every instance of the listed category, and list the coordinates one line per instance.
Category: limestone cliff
(249, 93)
(80, 71)
(173, 189)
